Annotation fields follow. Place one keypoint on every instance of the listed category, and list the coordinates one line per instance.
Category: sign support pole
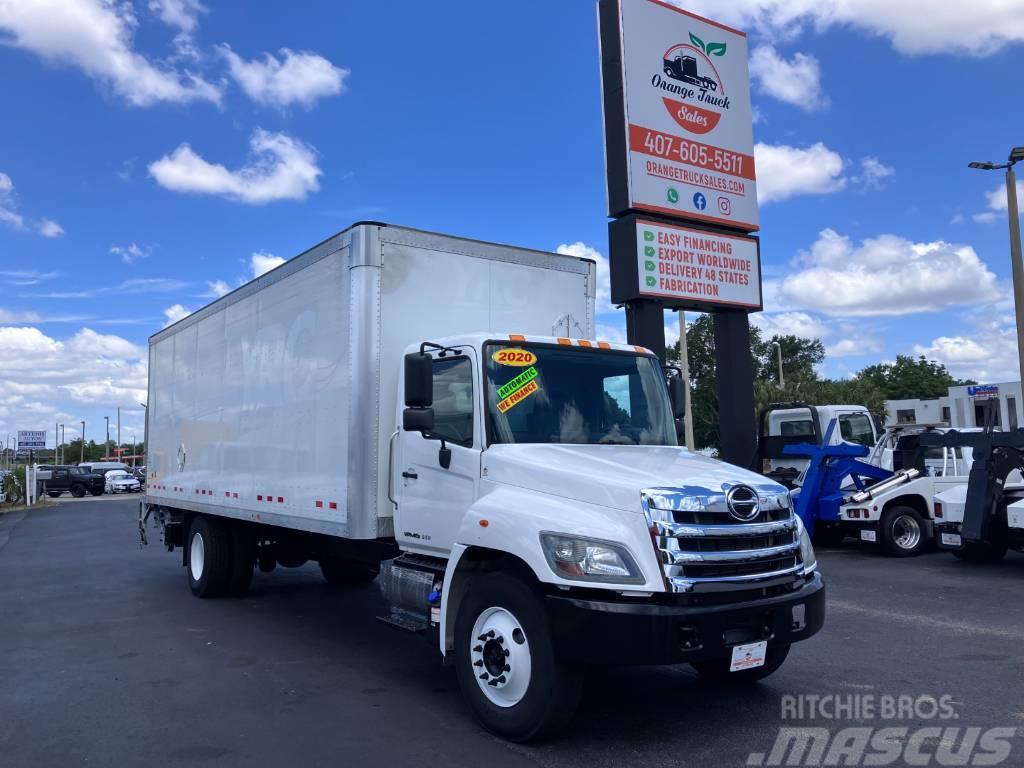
(735, 369)
(645, 325)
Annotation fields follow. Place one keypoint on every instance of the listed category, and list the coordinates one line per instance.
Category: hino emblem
(742, 502)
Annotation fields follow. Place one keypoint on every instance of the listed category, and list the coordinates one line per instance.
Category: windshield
(548, 394)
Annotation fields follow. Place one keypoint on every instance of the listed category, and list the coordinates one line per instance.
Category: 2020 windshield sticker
(518, 396)
(523, 378)
(519, 358)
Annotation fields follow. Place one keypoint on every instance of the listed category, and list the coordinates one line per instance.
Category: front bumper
(622, 632)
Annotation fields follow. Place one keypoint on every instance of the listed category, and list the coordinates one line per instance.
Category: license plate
(868, 535)
(748, 656)
(950, 539)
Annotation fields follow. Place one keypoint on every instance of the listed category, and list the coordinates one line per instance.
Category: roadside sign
(678, 120)
(979, 391)
(684, 267)
(31, 440)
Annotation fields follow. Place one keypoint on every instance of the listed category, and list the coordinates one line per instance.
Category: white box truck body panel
(276, 403)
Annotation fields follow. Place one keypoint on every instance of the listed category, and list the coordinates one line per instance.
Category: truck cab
(784, 424)
(549, 467)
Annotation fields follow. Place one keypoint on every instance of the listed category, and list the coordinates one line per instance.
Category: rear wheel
(981, 552)
(506, 664)
(718, 669)
(338, 572)
(902, 531)
(78, 491)
(209, 557)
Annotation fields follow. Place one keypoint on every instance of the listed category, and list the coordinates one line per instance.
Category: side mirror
(419, 381)
(677, 394)
(418, 419)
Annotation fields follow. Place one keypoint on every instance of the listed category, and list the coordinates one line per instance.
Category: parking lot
(106, 658)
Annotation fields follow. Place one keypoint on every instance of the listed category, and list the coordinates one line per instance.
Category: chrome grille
(705, 547)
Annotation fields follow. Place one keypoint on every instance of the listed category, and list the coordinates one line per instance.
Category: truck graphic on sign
(684, 67)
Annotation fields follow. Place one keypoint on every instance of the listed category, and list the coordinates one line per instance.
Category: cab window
(453, 400)
(856, 428)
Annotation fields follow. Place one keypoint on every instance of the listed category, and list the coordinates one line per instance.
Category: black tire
(897, 532)
(554, 687)
(78, 491)
(828, 535)
(95, 493)
(339, 573)
(210, 577)
(54, 494)
(243, 559)
(717, 670)
(981, 552)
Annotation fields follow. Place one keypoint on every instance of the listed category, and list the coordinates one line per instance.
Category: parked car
(102, 467)
(55, 480)
(121, 481)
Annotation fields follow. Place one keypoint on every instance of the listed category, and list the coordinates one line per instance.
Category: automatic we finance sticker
(518, 389)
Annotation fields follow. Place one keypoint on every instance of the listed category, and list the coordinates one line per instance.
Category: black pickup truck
(56, 480)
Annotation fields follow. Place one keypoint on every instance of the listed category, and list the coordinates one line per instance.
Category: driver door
(432, 500)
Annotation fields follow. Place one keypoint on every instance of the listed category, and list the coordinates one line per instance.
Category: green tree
(910, 377)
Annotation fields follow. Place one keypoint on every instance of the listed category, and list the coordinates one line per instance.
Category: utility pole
(778, 352)
(82, 455)
(61, 444)
(118, 454)
(684, 365)
(106, 445)
(1016, 155)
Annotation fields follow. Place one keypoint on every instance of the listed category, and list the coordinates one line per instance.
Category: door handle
(410, 475)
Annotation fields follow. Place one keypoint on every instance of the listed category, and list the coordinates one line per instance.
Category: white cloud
(96, 36)
(296, 78)
(174, 313)
(604, 287)
(217, 288)
(988, 356)
(997, 197)
(129, 253)
(985, 217)
(262, 262)
(797, 81)
(853, 347)
(50, 228)
(66, 379)
(957, 219)
(872, 173)
(281, 168)
(912, 26)
(183, 14)
(886, 275)
(784, 171)
(132, 286)
(789, 324)
(8, 214)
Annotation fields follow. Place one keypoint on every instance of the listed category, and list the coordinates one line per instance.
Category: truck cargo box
(277, 402)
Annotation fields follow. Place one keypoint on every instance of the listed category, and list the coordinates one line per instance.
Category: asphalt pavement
(107, 659)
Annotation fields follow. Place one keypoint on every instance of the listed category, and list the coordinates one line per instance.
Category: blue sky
(155, 153)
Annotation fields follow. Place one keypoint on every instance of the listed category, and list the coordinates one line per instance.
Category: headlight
(580, 559)
(807, 555)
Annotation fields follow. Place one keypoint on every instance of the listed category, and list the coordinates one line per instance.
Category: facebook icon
(699, 201)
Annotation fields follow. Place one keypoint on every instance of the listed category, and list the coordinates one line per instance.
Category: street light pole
(106, 445)
(1016, 155)
(82, 454)
(778, 351)
(1015, 258)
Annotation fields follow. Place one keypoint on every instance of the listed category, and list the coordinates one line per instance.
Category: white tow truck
(388, 401)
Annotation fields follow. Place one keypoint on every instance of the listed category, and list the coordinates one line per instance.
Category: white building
(932, 410)
(962, 407)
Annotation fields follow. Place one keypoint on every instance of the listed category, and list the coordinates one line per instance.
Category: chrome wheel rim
(197, 556)
(500, 657)
(906, 532)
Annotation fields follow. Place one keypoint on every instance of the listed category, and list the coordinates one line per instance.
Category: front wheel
(95, 493)
(717, 670)
(506, 664)
(902, 531)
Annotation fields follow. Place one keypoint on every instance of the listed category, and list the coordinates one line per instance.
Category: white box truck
(391, 405)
